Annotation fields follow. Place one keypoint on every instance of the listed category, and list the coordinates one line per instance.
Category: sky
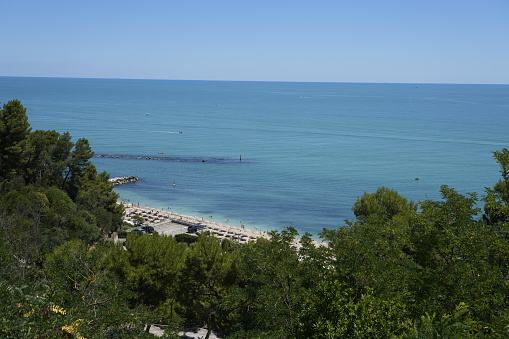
(396, 41)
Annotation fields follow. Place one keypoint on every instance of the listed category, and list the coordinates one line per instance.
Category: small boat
(174, 183)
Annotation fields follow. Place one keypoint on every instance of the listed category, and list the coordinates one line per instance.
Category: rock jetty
(122, 180)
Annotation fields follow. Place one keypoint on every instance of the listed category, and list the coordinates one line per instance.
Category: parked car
(148, 229)
(195, 228)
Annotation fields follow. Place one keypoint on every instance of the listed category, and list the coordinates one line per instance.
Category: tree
(22, 218)
(269, 295)
(10, 272)
(455, 326)
(454, 250)
(96, 196)
(210, 270)
(89, 288)
(384, 203)
(27, 312)
(153, 268)
(14, 131)
(374, 255)
(77, 165)
(47, 158)
(430, 261)
(496, 201)
(333, 311)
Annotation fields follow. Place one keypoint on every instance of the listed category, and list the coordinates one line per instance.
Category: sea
(270, 155)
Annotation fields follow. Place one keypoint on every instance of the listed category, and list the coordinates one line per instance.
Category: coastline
(171, 223)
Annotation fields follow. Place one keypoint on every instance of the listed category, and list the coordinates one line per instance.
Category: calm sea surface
(309, 150)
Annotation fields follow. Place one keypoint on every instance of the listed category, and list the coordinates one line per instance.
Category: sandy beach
(171, 223)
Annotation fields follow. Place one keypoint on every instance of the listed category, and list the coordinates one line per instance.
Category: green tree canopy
(14, 131)
(384, 203)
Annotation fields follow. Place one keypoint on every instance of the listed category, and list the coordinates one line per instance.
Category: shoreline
(160, 217)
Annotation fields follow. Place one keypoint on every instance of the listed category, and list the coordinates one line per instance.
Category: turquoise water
(309, 150)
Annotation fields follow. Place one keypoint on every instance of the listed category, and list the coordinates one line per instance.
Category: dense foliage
(434, 269)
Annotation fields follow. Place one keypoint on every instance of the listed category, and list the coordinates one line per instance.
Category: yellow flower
(72, 328)
(57, 309)
(68, 329)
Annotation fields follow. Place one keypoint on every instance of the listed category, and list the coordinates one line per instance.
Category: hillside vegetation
(401, 269)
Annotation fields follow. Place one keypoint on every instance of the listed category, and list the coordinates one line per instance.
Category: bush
(187, 238)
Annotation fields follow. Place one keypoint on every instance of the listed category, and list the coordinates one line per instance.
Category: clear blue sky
(422, 41)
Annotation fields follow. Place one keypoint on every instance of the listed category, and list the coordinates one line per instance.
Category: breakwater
(132, 157)
(123, 180)
(170, 158)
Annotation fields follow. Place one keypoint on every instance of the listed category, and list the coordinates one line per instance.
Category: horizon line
(275, 81)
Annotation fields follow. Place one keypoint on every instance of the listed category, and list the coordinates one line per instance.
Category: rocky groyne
(123, 180)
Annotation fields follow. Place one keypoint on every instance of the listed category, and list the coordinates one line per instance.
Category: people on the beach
(217, 229)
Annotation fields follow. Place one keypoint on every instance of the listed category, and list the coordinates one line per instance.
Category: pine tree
(14, 132)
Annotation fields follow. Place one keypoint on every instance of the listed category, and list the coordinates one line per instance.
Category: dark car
(148, 229)
(195, 228)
